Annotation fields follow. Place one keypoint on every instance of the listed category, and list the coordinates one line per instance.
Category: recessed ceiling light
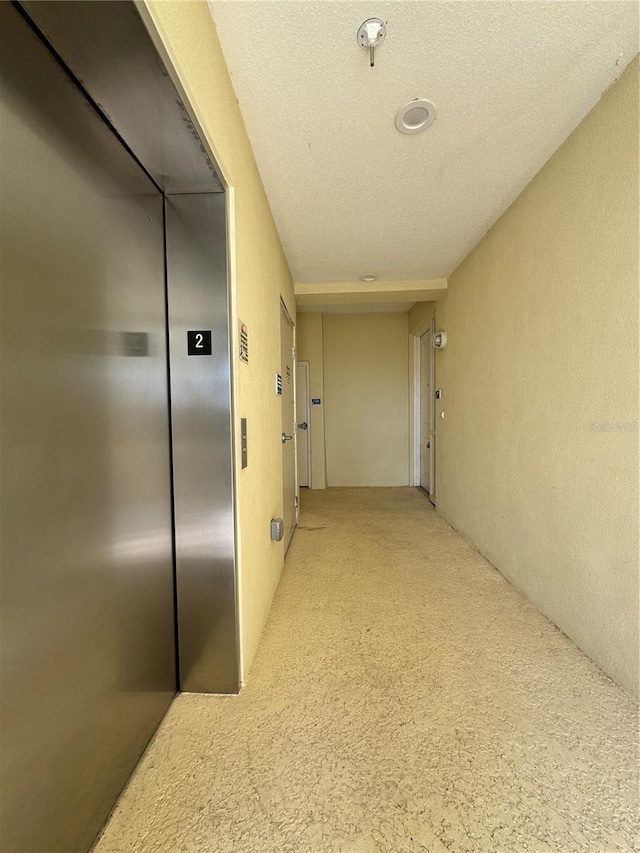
(370, 277)
(415, 116)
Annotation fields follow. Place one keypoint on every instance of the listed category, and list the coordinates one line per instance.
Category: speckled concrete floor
(405, 698)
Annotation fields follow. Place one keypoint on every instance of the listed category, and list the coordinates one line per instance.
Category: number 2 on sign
(199, 342)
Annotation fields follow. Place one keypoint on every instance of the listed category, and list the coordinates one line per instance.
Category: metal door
(289, 496)
(105, 44)
(303, 423)
(87, 646)
(201, 418)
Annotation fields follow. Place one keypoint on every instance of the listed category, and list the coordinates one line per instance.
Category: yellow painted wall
(259, 276)
(352, 293)
(537, 456)
(366, 386)
(310, 348)
(419, 315)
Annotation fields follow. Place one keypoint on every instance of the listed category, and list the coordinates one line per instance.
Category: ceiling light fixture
(415, 116)
(370, 277)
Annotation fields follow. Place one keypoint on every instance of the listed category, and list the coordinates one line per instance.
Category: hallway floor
(405, 698)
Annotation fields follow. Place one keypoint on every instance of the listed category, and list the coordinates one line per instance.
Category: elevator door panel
(201, 417)
(87, 646)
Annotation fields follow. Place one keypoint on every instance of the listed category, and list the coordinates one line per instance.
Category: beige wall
(259, 275)
(542, 319)
(310, 348)
(420, 315)
(366, 386)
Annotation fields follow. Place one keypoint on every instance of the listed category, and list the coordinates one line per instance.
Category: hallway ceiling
(350, 195)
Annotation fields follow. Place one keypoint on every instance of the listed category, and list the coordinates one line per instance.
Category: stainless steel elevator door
(201, 417)
(87, 646)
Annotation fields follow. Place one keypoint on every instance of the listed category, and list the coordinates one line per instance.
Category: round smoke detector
(415, 116)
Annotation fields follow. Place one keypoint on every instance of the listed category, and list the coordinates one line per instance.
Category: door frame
(307, 369)
(296, 492)
(429, 325)
(417, 400)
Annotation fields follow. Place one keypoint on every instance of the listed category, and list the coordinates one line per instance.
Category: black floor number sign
(199, 342)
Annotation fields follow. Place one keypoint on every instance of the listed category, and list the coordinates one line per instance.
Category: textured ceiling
(350, 195)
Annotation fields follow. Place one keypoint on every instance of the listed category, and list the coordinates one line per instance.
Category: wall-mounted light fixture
(371, 34)
(439, 340)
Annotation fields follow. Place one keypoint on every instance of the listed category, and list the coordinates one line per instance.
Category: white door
(425, 406)
(427, 413)
(303, 418)
(289, 498)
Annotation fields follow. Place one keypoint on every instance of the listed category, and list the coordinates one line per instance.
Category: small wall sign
(278, 383)
(199, 342)
(244, 344)
(316, 401)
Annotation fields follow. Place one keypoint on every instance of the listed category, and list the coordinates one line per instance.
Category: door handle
(303, 426)
(286, 437)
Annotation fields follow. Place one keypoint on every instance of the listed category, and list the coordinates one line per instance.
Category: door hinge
(297, 503)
